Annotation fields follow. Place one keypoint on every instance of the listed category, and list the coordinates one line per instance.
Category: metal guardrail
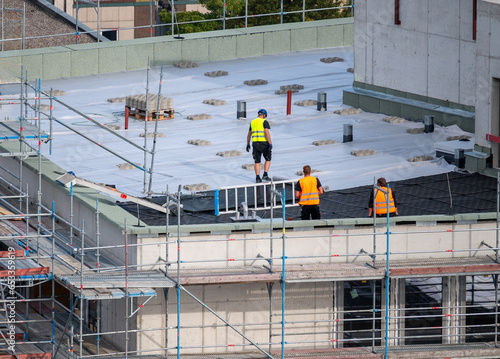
(256, 196)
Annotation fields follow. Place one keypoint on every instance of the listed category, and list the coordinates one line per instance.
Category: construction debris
(185, 64)
(306, 103)
(347, 111)
(233, 153)
(459, 138)
(420, 158)
(196, 187)
(117, 99)
(415, 131)
(365, 152)
(127, 166)
(283, 92)
(216, 73)
(292, 87)
(393, 119)
(324, 142)
(329, 60)
(201, 116)
(214, 102)
(151, 135)
(198, 142)
(255, 82)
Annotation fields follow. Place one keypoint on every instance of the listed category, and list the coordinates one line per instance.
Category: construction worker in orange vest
(307, 190)
(381, 193)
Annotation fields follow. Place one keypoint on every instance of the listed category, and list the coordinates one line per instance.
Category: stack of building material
(137, 106)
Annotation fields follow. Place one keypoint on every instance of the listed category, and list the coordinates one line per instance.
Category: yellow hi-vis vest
(258, 133)
(309, 194)
(381, 201)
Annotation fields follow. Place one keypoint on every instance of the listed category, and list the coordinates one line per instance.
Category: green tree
(187, 16)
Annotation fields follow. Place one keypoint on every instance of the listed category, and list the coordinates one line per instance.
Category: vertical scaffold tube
(80, 336)
(53, 281)
(126, 289)
(283, 282)
(386, 279)
(178, 272)
(216, 202)
(498, 216)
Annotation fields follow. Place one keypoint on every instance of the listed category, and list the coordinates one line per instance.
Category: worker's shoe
(266, 177)
(258, 180)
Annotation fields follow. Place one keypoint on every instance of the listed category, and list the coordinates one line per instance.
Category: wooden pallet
(141, 114)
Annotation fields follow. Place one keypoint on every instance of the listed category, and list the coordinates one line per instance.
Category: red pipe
(127, 110)
(289, 103)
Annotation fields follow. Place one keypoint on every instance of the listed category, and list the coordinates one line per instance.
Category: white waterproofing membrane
(178, 163)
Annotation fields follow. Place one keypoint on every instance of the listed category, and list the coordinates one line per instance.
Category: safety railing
(254, 197)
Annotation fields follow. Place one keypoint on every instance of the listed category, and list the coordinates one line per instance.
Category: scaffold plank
(28, 356)
(441, 270)
(25, 272)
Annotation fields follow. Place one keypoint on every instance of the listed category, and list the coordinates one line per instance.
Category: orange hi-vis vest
(309, 194)
(381, 201)
(258, 132)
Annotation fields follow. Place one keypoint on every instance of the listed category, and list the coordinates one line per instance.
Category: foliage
(187, 16)
(292, 12)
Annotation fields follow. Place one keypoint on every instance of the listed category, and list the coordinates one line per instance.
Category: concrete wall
(488, 75)
(432, 52)
(89, 59)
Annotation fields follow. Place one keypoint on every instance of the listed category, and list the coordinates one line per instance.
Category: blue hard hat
(264, 112)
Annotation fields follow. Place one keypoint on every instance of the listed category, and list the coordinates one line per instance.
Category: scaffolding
(63, 284)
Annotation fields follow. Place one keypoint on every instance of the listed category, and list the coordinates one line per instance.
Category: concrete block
(152, 135)
(195, 50)
(350, 69)
(116, 99)
(196, 187)
(214, 102)
(248, 167)
(44, 107)
(138, 54)
(257, 82)
(292, 87)
(306, 103)
(347, 111)
(460, 137)
(202, 116)
(415, 131)
(233, 153)
(329, 60)
(56, 65)
(185, 64)
(216, 73)
(362, 153)
(303, 39)
(112, 59)
(127, 166)
(324, 142)
(167, 52)
(58, 92)
(393, 119)
(420, 158)
(283, 92)
(83, 62)
(199, 142)
(114, 127)
(222, 48)
(276, 42)
(138, 102)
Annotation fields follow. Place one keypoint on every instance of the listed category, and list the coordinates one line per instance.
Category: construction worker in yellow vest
(307, 190)
(261, 143)
(381, 193)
